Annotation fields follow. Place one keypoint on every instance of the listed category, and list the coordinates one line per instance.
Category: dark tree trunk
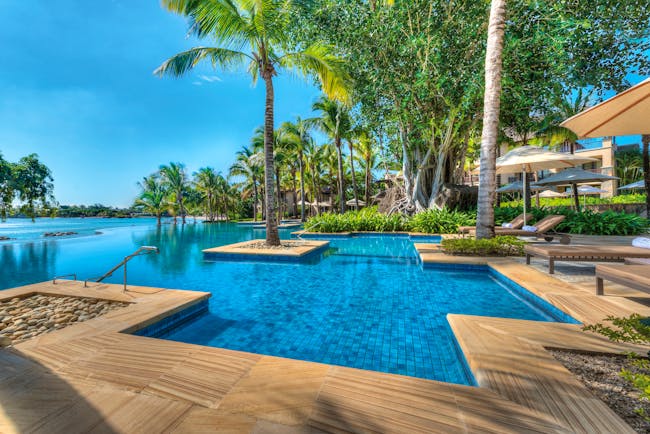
(354, 179)
(368, 182)
(254, 200)
(576, 197)
(302, 186)
(339, 154)
(279, 194)
(272, 235)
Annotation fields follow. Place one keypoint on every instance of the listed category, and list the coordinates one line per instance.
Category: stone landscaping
(24, 318)
(59, 234)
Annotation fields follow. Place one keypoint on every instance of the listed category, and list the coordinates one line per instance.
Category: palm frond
(181, 63)
(319, 59)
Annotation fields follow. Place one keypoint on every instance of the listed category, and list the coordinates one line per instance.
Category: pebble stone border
(24, 318)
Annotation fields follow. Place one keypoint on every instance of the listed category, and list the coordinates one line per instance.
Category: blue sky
(76, 87)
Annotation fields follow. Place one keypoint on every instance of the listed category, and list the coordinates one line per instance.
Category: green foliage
(633, 329)
(497, 246)
(96, 210)
(589, 200)
(585, 222)
(368, 219)
(441, 221)
(33, 183)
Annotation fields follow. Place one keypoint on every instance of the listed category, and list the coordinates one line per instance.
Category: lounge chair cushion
(641, 242)
(529, 228)
(507, 225)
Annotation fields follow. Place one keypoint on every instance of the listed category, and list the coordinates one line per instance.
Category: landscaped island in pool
(367, 302)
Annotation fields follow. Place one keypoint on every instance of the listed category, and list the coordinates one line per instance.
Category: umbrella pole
(523, 185)
(576, 198)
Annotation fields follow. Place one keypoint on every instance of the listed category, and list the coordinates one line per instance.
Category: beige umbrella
(530, 159)
(551, 193)
(624, 114)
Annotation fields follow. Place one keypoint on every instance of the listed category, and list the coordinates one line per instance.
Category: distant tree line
(29, 182)
(171, 191)
(96, 210)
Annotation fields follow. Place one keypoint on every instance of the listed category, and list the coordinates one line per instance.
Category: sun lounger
(545, 229)
(634, 276)
(516, 223)
(583, 253)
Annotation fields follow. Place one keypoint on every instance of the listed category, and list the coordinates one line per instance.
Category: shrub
(442, 221)
(497, 246)
(590, 200)
(634, 329)
(365, 220)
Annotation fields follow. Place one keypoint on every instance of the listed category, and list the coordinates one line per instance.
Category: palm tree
(249, 165)
(174, 178)
(491, 110)
(334, 121)
(369, 158)
(152, 198)
(208, 185)
(300, 128)
(256, 33)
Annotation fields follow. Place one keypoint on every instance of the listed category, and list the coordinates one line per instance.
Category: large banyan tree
(418, 68)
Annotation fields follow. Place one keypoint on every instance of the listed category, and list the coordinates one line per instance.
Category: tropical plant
(440, 221)
(629, 166)
(33, 181)
(153, 196)
(370, 161)
(367, 219)
(334, 120)
(174, 178)
(209, 185)
(300, 129)
(633, 329)
(250, 166)
(497, 246)
(256, 33)
(7, 187)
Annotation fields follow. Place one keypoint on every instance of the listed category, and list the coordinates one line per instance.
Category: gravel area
(284, 245)
(600, 374)
(24, 318)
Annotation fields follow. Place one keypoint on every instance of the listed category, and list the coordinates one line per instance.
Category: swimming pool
(366, 303)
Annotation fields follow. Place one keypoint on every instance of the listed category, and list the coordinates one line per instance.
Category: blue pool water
(365, 303)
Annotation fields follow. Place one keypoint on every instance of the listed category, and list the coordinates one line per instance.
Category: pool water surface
(366, 302)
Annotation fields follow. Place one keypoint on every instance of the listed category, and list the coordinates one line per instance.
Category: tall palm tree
(256, 33)
(152, 198)
(313, 159)
(334, 120)
(174, 178)
(208, 184)
(491, 111)
(370, 161)
(249, 164)
(300, 128)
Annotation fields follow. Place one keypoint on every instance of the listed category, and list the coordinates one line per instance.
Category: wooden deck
(91, 377)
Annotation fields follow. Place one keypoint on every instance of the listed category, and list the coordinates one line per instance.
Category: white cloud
(209, 78)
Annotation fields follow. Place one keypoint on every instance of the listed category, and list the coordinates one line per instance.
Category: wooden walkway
(90, 377)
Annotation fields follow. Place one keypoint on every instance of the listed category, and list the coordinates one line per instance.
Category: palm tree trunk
(254, 200)
(339, 155)
(302, 186)
(279, 193)
(491, 108)
(272, 235)
(646, 171)
(354, 179)
(368, 182)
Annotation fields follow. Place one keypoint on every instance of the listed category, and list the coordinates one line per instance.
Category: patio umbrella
(638, 184)
(551, 193)
(573, 177)
(623, 114)
(584, 190)
(352, 202)
(529, 159)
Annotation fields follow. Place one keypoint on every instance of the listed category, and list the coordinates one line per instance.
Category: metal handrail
(144, 250)
(63, 275)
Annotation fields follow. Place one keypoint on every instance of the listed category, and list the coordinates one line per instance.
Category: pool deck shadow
(127, 383)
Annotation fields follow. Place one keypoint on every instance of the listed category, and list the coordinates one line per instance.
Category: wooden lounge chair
(545, 229)
(637, 261)
(516, 223)
(634, 276)
(583, 253)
